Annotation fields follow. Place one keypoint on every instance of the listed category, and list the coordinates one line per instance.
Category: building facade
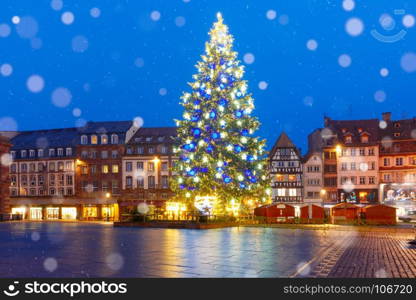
(313, 178)
(147, 167)
(286, 172)
(4, 175)
(397, 161)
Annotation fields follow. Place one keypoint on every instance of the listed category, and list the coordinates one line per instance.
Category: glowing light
(344, 60)
(408, 21)
(95, 12)
(263, 85)
(380, 96)
(4, 30)
(205, 204)
(61, 97)
(155, 15)
(79, 44)
(6, 70)
(348, 5)
(408, 62)
(16, 20)
(271, 14)
(384, 72)
(354, 27)
(248, 58)
(35, 83)
(312, 45)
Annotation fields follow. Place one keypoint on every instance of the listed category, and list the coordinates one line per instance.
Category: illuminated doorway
(52, 213)
(36, 213)
(69, 213)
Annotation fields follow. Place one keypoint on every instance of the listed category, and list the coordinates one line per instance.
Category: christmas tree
(222, 166)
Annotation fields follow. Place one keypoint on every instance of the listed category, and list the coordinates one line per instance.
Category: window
(386, 162)
(95, 186)
(396, 134)
(292, 192)
(23, 168)
(94, 139)
(352, 151)
(31, 153)
(23, 153)
(371, 151)
(69, 166)
(60, 166)
(129, 182)
(281, 192)
(84, 140)
(41, 180)
(68, 151)
(32, 192)
(40, 152)
(164, 149)
(51, 152)
(140, 182)
(364, 139)
(348, 139)
(84, 170)
(362, 180)
(129, 166)
(51, 179)
(93, 154)
(41, 192)
(344, 152)
(114, 154)
(344, 167)
(13, 180)
(114, 187)
(32, 180)
(371, 180)
(114, 169)
(51, 191)
(150, 166)
(52, 167)
(13, 168)
(104, 139)
(399, 161)
(84, 154)
(353, 166)
(165, 182)
(140, 165)
(32, 167)
(140, 150)
(104, 186)
(24, 180)
(372, 165)
(362, 152)
(60, 152)
(114, 139)
(151, 150)
(104, 154)
(13, 153)
(61, 179)
(69, 180)
(93, 169)
(129, 150)
(412, 160)
(164, 166)
(151, 182)
(105, 169)
(69, 192)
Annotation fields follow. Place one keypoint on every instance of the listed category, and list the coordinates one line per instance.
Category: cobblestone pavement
(370, 254)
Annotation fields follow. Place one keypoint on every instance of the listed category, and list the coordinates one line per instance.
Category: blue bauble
(196, 132)
(242, 185)
(213, 114)
(238, 113)
(238, 148)
(244, 132)
(210, 148)
(192, 172)
(223, 102)
(226, 178)
(182, 186)
(215, 135)
(253, 179)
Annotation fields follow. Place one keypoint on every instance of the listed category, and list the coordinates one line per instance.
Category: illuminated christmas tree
(221, 163)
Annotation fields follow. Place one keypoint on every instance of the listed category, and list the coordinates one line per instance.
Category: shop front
(357, 196)
(400, 195)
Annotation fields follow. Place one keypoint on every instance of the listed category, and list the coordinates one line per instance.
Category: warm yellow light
(78, 161)
(338, 148)
(107, 195)
(156, 160)
(323, 192)
(175, 207)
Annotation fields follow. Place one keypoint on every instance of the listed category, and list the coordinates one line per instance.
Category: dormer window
(344, 130)
(360, 130)
(31, 153)
(396, 134)
(40, 152)
(13, 154)
(148, 139)
(68, 151)
(60, 152)
(114, 139)
(348, 139)
(94, 139)
(104, 139)
(23, 153)
(51, 152)
(364, 139)
(161, 138)
(84, 140)
(397, 125)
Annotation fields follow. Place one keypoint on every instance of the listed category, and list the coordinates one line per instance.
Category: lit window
(94, 139)
(281, 192)
(104, 139)
(114, 168)
(364, 139)
(292, 192)
(151, 166)
(348, 139)
(105, 169)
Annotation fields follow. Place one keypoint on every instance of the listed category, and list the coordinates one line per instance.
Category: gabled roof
(106, 127)
(51, 138)
(355, 128)
(154, 133)
(283, 142)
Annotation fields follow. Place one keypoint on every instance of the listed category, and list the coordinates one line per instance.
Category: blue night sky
(120, 63)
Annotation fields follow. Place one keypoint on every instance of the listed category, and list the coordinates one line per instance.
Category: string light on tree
(219, 158)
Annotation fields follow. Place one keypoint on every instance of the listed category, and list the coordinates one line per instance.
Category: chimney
(386, 116)
(326, 121)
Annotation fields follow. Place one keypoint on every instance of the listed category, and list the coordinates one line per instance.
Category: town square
(207, 140)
